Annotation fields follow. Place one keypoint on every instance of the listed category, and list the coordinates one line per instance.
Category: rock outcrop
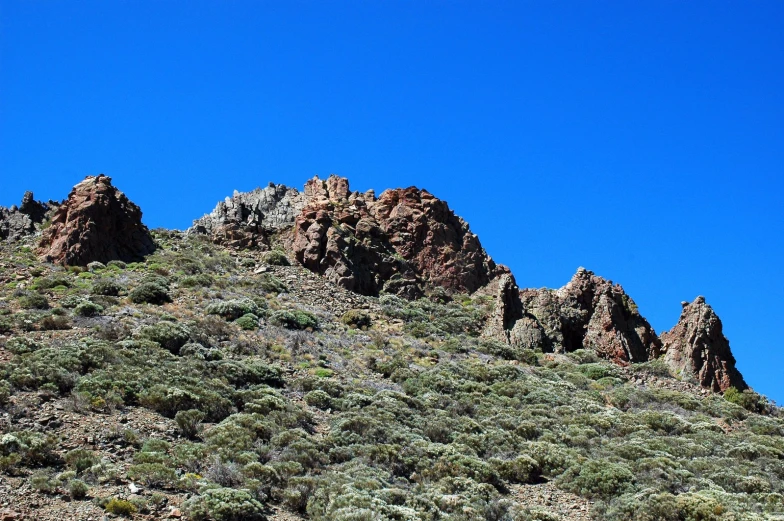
(17, 222)
(402, 242)
(249, 219)
(697, 348)
(587, 313)
(96, 223)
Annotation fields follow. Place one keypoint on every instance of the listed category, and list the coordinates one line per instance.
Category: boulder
(96, 223)
(696, 348)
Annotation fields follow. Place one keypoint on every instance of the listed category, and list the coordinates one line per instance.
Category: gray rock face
(697, 348)
(17, 222)
(248, 219)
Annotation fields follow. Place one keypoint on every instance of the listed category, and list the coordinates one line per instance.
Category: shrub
(356, 318)
(77, 489)
(276, 258)
(88, 309)
(248, 322)
(200, 280)
(169, 335)
(234, 309)
(224, 504)
(188, 422)
(597, 478)
(271, 284)
(54, 323)
(152, 474)
(149, 293)
(295, 319)
(118, 264)
(43, 481)
(318, 399)
(120, 507)
(106, 287)
(747, 399)
(34, 301)
(81, 459)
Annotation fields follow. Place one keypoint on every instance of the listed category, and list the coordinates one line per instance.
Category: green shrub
(224, 504)
(77, 489)
(54, 281)
(597, 478)
(34, 301)
(189, 421)
(356, 318)
(271, 284)
(81, 459)
(318, 399)
(150, 293)
(276, 258)
(120, 507)
(152, 474)
(106, 287)
(43, 481)
(5, 392)
(199, 280)
(169, 335)
(234, 309)
(248, 322)
(747, 399)
(88, 309)
(295, 319)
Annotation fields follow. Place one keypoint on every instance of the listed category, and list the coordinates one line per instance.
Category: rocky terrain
(329, 354)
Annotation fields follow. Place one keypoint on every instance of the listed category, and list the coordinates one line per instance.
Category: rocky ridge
(23, 220)
(405, 242)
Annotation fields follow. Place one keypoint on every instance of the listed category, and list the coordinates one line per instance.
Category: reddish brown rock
(96, 223)
(588, 313)
(400, 243)
(697, 348)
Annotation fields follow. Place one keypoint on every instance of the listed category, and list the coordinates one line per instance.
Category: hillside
(333, 355)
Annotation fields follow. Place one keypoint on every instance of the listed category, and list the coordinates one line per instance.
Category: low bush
(106, 287)
(88, 309)
(295, 319)
(234, 309)
(150, 293)
(276, 258)
(224, 504)
(33, 301)
(248, 322)
(189, 422)
(356, 318)
(120, 507)
(169, 335)
(597, 478)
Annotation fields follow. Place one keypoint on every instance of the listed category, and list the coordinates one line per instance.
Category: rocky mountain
(332, 355)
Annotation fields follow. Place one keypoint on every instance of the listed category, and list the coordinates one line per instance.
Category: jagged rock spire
(697, 348)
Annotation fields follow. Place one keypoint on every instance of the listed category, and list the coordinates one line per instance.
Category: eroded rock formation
(401, 242)
(96, 223)
(17, 222)
(697, 348)
(249, 219)
(587, 313)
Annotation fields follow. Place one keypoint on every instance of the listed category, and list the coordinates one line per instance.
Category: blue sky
(642, 140)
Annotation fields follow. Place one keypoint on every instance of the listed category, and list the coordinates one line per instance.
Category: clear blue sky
(642, 140)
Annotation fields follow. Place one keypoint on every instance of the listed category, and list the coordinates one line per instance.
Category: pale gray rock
(248, 219)
(17, 222)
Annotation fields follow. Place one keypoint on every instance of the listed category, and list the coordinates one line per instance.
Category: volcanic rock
(697, 348)
(96, 223)
(17, 222)
(402, 242)
(249, 219)
(587, 313)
